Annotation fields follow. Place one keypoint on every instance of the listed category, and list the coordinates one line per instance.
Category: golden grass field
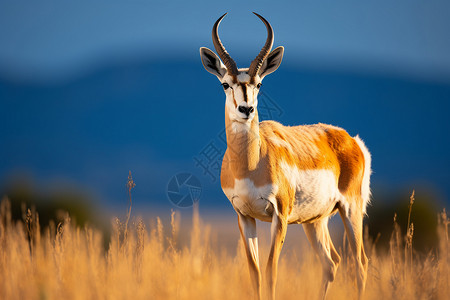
(63, 261)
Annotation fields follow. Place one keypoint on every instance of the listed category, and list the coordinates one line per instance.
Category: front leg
(247, 227)
(278, 233)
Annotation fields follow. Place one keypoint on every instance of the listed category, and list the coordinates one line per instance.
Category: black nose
(246, 110)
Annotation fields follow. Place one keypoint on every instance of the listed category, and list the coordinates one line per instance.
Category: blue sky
(50, 39)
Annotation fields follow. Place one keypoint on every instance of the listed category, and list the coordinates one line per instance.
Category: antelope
(287, 175)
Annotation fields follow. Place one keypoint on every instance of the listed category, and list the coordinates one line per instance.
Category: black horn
(258, 61)
(223, 54)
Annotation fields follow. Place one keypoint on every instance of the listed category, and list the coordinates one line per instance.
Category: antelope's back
(317, 147)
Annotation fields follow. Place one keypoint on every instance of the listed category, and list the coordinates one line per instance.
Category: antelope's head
(242, 85)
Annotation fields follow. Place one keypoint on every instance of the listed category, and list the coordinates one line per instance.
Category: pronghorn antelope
(287, 175)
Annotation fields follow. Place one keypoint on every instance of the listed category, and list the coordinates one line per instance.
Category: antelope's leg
(353, 223)
(319, 237)
(278, 234)
(247, 227)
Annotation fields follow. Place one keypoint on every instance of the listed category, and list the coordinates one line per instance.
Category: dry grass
(66, 262)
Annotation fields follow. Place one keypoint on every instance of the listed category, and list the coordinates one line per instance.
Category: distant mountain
(155, 117)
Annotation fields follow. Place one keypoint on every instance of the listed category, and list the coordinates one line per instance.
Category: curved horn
(223, 54)
(258, 61)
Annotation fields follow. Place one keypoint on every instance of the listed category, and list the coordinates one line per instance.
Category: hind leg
(353, 223)
(319, 237)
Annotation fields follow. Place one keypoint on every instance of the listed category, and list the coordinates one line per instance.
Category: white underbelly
(316, 193)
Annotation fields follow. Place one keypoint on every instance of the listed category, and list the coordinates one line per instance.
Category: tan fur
(255, 155)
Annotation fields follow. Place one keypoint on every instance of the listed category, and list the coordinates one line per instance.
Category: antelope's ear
(212, 63)
(272, 62)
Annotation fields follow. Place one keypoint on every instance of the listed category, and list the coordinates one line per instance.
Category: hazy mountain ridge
(153, 117)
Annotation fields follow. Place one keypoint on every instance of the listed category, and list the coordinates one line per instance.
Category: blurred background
(90, 90)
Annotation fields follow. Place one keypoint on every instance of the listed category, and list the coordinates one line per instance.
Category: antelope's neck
(243, 146)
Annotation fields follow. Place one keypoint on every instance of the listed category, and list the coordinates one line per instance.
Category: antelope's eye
(225, 85)
(258, 85)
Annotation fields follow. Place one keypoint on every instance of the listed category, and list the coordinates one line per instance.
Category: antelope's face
(241, 86)
(241, 95)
